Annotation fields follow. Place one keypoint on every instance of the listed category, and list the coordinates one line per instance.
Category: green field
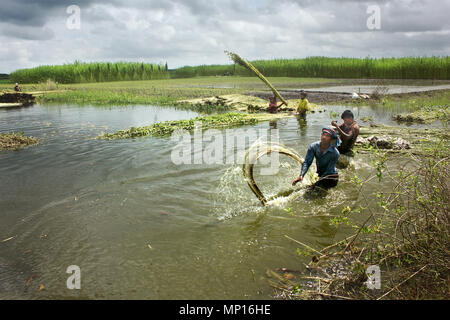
(425, 106)
(158, 92)
(437, 68)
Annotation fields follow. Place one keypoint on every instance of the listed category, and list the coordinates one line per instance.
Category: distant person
(273, 104)
(326, 156)
(348, 132)
(17, 88)
(303, 104)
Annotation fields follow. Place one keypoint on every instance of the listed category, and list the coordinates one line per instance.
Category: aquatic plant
(168, 127)
(406, 235)
(16, 141)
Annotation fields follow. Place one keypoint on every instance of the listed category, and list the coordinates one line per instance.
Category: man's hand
(299, 179)
(334, 123)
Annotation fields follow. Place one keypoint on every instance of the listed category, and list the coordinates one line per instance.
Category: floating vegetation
(237, 102)
(168, 127)
(367, 119)
(16, 141)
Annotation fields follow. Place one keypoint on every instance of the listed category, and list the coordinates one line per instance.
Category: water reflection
(302, 124)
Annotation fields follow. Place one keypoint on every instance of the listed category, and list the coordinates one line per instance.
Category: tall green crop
(79, 72)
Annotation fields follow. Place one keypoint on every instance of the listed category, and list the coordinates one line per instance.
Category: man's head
(328, 135)
(303, 94)
(17, 84)
(348, 117)
(325, 138)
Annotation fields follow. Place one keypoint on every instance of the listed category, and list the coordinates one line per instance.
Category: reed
(370, 68)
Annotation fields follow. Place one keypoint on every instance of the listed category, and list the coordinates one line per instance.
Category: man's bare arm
(343, 134)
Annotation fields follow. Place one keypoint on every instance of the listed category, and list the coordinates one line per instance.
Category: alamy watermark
(74, 281)
(374, 20)
(212, 146)
(373, 277)
(73, 22)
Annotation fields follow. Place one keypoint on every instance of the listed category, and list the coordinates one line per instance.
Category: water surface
(140, 226)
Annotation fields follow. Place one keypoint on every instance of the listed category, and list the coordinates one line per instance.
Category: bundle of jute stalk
(244, 63)
(257, 150)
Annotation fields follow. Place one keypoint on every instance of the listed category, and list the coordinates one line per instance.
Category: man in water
(303, 104)
(326, 156)
(273, 107)
(17, 88)
(348, 132)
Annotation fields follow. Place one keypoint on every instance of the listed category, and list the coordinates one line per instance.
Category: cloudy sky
(192, 32)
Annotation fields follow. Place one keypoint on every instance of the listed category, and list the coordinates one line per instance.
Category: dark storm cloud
(27, 32)
(35, 12)
(189, 32)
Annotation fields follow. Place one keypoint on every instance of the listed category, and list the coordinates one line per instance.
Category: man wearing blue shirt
(326, 156)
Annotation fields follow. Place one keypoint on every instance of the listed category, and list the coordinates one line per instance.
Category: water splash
(258, 150)
(232, 197)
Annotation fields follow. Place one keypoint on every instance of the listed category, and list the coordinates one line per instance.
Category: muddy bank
(399, 139)
(317, 97)
(338, 94)
(425, 115)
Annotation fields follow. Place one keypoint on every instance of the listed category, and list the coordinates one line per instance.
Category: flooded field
(140, 226)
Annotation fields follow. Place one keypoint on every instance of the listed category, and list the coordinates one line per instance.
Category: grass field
(159, 92)
(427, 106)
(314, 67)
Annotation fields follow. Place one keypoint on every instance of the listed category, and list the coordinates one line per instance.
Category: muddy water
(140, 226)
